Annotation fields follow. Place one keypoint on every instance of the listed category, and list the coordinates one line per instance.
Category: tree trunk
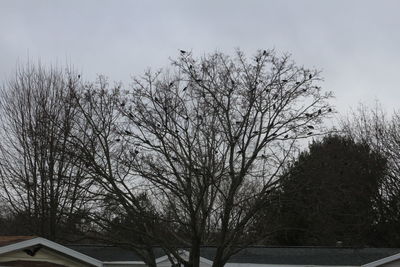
(150, 261)
(194, 257)
(218, 260)
(218, 263)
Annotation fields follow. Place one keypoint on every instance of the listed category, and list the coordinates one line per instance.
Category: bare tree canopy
(205, 141)
(187, 156)
(44, 187)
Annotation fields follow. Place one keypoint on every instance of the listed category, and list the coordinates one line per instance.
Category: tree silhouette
(204, 141)
(330, 193)
(382, 132)
(43, 185)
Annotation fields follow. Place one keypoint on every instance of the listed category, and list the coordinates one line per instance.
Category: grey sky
(355, 43)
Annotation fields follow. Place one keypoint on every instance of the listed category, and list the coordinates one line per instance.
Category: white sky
(355, 43)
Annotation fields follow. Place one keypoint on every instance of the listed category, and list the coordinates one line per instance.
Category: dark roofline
(250, 246)
(286, 255)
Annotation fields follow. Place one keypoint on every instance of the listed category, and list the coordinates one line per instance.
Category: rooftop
(8, 240)
(262, 255)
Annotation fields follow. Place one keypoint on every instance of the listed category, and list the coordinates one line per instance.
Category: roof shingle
(8, 240)
(260, 255)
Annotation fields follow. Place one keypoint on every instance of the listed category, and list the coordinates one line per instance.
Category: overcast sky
(355, 43)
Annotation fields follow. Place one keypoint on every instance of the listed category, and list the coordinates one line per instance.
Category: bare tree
(123, 215)
(209, 137)
(375, 127)
(189, 155)
(382, 132)
(41, 183)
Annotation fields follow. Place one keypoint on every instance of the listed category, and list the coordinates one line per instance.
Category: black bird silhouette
(310, 76)
(117, 140)
(285, 81)
(31, 252)
(329, 109)
(319, 112)
(310, 127)
(310, 133)
(274, 106)
(264, 52)
(286, 136)
(190, 67)
(171, 83)
(238, 122)
(122, 104)
(136, 151)
(184, 89)
(128, 132)
(182, 51)
(297, 83)
(79, 76)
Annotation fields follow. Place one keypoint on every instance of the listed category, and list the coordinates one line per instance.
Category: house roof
(260, 255)
(8, 240)
(328, 256)
(307, 255)
(16, 243)
(111, 253)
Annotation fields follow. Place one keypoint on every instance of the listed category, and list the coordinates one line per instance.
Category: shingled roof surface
(307, 255)
(111, 253)
(8, 240)
(260, 255)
